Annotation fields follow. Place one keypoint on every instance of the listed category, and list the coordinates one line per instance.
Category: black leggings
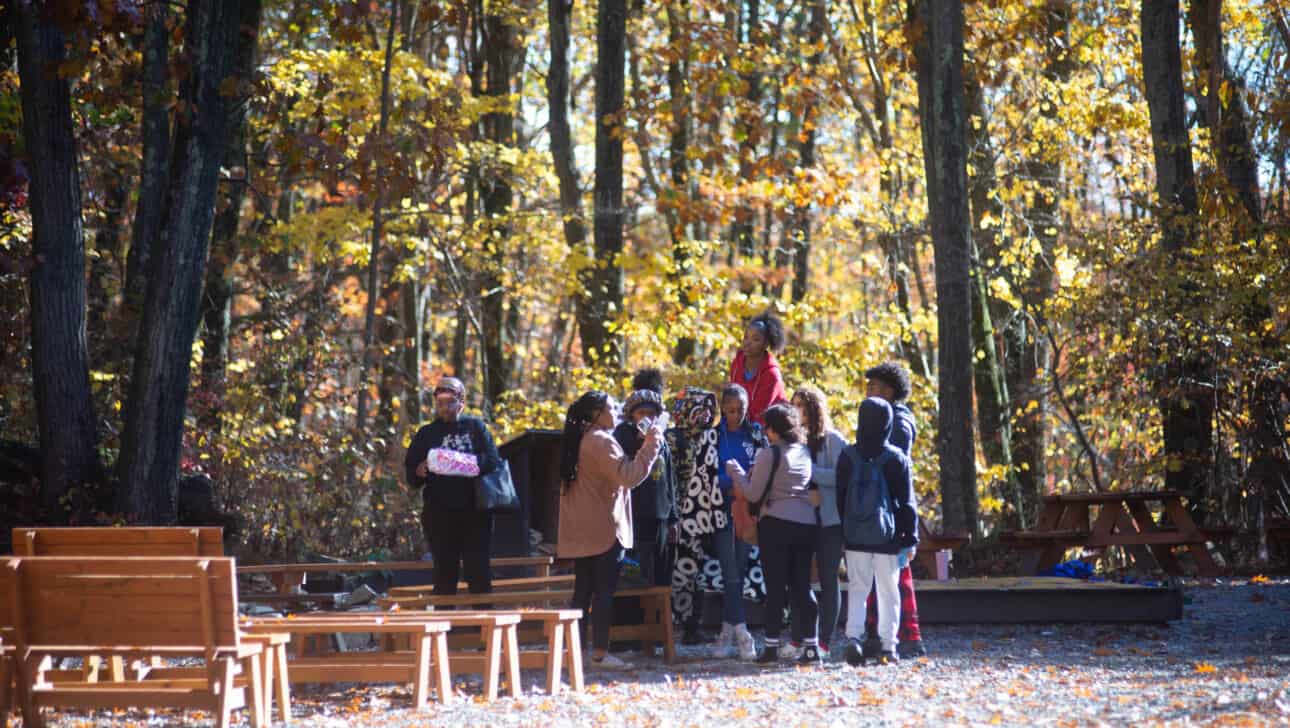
(786, 551)
(594, 581)
(456, 536)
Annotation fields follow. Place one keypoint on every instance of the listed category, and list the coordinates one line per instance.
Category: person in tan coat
(596, 509)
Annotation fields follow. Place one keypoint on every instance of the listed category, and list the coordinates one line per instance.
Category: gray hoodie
(789, 491)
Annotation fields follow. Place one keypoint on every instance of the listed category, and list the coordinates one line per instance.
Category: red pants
(908, 610)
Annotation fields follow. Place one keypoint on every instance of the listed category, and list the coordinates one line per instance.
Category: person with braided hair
(595, 523)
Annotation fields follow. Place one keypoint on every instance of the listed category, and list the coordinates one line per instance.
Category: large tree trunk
(217, 302)
(604, 282)
(370, 357)
(678, 205)
(501, 49)
(941, 108)
(154, 169)
(801, 223)
(993, 420)
(748, 128)
(557, 94)
(1186, 411)
(59, 355)
(154, 418)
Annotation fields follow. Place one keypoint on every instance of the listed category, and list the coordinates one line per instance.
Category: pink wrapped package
(442, 461)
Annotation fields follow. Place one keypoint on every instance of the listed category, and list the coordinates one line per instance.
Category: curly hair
(784, 420)
(650, 378)
(893, 375)
(816, 408)
(771, 328)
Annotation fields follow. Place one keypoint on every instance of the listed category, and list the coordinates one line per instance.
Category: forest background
(243, 238)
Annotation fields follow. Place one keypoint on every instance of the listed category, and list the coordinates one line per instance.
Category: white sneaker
(725, 643)
(608, 662)
(745, 643)
(789, 651)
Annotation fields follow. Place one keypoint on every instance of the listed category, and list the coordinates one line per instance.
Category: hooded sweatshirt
(876, 419)
(765, 388)
(903, 430)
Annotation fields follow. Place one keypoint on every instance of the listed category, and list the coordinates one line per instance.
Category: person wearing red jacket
(755, 368)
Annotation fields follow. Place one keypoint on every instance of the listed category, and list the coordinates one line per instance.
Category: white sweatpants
(882, 571)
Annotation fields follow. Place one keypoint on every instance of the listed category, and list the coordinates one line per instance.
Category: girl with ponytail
(596, 509)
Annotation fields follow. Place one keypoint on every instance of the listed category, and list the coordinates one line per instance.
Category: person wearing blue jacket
(879, 532)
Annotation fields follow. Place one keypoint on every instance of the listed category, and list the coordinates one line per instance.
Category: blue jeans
(732, 554)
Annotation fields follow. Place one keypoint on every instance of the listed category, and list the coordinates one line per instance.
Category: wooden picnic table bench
(286, 577)
(656, 601)
(1123, 518)
(929, 543)
(174, 606)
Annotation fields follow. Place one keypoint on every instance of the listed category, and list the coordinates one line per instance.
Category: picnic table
(1119, 518)
(287, 577)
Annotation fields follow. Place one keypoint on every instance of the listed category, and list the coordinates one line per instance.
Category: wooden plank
(119, 541)
(351, 566)
(499, 585)
(1131, 538)
(1112, 496)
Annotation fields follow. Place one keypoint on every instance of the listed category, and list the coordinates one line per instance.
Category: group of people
(665, 484)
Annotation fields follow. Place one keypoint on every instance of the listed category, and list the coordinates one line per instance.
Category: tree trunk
(501, 48)
(941, 109)
(154, 168)
(217, 302)
(993, 420)
(604, 284)
(60, 361)
(679, 204)
(1187, 413)
(801, 226)
(747, 130)
(369, 357)
(154, 418)
(103, 344)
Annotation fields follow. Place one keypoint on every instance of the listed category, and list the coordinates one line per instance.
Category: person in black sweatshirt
(879, 531)
(654, 500)
(454, 530)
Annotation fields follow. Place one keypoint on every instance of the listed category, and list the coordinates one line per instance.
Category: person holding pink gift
(454, 530)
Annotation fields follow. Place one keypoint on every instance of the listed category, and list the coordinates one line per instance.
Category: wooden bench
(174, 606)
(530, 583)
(286, 577)
(99, 541)
(6, 681)
(556, 630)
(497, 631)
(929, 543)
(656, 601)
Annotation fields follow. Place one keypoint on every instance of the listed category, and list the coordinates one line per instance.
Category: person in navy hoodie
(890, 381)
(879, 529)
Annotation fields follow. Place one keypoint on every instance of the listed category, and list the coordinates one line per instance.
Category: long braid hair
(576, 423)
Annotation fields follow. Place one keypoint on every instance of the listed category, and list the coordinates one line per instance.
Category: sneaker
(692, 636)
(744, 643)
(810, 656)
(790, 651)
(608, 662)
(887, 657)
(872, 645)
(769, 654)
(911, 649)
(725, 644)
(853, 653)
(826, 655)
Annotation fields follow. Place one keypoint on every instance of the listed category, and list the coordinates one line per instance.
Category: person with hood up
(654, 507)
(875, 496)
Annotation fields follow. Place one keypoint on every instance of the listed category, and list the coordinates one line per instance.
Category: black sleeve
(489, 459)
(416, 454)
(842, 472)
(900, 482)
(628, 438)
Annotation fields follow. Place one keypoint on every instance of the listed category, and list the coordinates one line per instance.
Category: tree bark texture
(154, 169)
(749, 126)
(942, 111)
(501, 48)
(801, 224)
(59, 354)
(151, 443)
(604, 282)
(217, 301)
(1186, 408)
(680, 205)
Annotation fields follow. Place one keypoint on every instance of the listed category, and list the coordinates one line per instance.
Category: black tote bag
(495, 491)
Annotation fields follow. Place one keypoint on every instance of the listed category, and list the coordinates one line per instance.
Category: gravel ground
(1227, 662)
